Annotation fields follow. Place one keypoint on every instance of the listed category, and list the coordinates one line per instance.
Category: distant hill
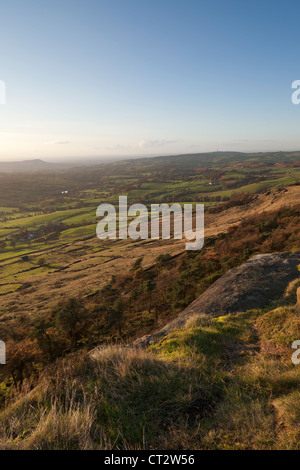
(182, 161)
(31, 165)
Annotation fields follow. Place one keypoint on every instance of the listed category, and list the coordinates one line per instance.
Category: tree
(163, 260)
(116, 314)
(71, 320)
(41, 335)
(137, 264)
(21, 357)
(150, 286)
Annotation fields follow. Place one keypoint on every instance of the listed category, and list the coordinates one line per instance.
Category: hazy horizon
(114, 158)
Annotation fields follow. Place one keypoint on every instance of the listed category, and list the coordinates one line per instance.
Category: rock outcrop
(254, 284)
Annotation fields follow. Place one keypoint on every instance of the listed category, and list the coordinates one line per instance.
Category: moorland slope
(82, 267)
(220, 382)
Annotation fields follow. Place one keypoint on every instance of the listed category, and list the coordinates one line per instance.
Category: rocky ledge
(255, 284)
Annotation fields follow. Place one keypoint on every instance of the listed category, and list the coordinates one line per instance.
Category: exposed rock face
(254, 284)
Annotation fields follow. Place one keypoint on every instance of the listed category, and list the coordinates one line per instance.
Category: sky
(112, 78)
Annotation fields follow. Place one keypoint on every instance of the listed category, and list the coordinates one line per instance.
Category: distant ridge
(30, 165)
(187, 160)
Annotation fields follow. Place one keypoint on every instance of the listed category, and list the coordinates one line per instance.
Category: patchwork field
(78, 263)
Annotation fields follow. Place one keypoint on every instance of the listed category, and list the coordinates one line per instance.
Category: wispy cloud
(58, 142)
(156, 143)
(142, 144)
(254, 140)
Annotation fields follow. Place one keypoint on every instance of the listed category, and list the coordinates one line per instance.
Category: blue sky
(89, 78)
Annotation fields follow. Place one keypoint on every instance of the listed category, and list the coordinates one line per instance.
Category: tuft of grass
(291, 290)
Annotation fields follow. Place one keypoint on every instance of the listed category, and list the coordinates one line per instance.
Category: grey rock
(255, 284)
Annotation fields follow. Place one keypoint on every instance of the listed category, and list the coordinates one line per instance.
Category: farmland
(48, 243)
(70, 197)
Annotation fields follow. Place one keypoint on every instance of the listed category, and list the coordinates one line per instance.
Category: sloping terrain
(82, 267)
(223, 383)
(265, 202)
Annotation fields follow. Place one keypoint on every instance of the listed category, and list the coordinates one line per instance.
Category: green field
(181, 179)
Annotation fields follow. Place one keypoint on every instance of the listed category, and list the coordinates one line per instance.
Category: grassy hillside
(222, 383)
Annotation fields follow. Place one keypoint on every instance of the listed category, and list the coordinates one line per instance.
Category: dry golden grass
(209, 386)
